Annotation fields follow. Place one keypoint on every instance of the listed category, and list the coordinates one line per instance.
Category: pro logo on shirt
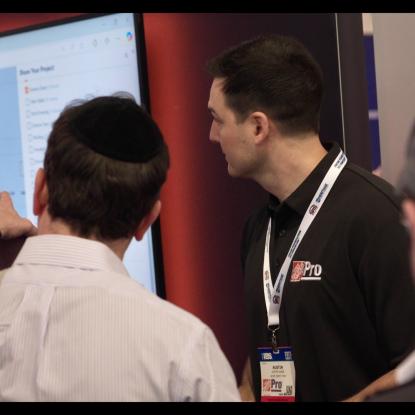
(305, 270)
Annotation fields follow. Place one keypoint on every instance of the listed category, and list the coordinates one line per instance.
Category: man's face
(233, 137)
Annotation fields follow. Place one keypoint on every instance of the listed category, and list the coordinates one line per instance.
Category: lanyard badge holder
(278, 379)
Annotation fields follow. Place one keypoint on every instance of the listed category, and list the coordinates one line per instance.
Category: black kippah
(117, 128)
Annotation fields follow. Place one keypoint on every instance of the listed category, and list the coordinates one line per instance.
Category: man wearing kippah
(73, 325)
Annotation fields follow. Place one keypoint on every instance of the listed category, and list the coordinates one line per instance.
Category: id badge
(277, 374)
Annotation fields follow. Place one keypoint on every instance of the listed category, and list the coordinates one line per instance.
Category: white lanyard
(273, 294)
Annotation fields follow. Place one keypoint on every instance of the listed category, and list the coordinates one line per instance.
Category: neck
(290, 161)
(48, 226)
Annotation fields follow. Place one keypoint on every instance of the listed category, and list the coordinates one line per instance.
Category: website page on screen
(41, 71)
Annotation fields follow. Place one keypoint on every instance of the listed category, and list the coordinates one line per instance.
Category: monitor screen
(44, 68)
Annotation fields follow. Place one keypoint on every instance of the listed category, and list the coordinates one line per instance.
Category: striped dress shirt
(75, 327)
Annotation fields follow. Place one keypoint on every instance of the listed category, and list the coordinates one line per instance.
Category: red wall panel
(204, 210)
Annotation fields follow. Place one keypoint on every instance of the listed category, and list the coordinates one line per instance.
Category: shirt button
(282, 232)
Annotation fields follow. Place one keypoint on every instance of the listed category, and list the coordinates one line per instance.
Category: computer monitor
(42, 69)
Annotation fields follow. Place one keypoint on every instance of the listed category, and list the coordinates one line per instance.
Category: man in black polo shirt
(328, 289)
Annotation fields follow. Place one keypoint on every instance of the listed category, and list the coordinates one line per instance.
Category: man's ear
(148, 220)
(261, 126)
(41, 194)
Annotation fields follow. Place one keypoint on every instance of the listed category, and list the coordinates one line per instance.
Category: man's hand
(11, 224)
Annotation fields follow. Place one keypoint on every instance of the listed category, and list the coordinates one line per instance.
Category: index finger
(5, 199)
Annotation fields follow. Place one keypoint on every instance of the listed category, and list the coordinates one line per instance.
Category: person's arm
(246, 389)
(401, 375)
(11, 224)
(387, 381)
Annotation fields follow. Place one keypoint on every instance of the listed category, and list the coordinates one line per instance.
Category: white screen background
(44, 70)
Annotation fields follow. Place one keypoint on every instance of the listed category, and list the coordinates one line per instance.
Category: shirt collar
(69, 252)
(301, 197)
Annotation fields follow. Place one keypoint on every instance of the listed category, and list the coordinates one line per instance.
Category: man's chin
(233, 173)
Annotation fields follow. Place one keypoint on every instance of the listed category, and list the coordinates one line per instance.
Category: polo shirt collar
(301, 197)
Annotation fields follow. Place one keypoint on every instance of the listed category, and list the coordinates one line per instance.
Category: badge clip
(274, 339)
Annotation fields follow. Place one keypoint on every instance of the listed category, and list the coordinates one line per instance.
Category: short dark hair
(95, 194)
(274, 74)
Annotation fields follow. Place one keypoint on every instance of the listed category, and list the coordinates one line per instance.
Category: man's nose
(213, 134)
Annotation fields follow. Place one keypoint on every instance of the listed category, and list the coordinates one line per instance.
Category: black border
(145, 101)
(212, 408)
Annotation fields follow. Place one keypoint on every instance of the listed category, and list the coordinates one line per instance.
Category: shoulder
(367, 196)
(373, 186)
(154, 308)
(372, 181)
